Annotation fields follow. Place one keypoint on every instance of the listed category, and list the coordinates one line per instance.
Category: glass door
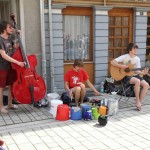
(120, 32)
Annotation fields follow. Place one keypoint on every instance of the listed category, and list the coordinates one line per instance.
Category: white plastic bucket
(53, 107)
(52, 96)
(112, 106)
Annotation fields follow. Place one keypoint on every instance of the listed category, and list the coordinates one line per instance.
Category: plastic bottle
(55, 89)
(102, 87)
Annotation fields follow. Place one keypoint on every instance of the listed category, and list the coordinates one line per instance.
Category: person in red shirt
(74, 79)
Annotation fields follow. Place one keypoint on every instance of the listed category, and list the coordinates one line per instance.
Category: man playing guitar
(123, 62)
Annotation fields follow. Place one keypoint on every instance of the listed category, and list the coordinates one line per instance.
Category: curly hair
(3, 26)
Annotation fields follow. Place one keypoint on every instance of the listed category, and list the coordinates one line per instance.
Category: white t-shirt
(126, 59)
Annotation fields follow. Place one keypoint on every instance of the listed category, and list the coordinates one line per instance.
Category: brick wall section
(100, 47)
(140, 35)
(57, 50)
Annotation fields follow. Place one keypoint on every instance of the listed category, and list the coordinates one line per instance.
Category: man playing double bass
(7, 48)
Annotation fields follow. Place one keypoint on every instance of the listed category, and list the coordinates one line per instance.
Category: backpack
(109, 85)
(67, 100)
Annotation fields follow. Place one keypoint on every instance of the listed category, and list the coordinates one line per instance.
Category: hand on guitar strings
(145, 71)
(124, 66)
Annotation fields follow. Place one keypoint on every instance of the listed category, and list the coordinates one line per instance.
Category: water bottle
(55, 89)
(102, 87)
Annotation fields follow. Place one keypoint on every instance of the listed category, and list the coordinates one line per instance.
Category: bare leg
(136, 83)
(77, 93)
(145, 87)
(2, 109)
(10, 105)
(9, 96)
(82, 92)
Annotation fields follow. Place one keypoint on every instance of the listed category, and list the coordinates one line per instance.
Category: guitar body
(27, 78)
(118, 73)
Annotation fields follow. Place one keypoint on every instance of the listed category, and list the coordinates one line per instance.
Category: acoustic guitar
(119, 73)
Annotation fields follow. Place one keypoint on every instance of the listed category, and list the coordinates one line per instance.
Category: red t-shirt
(75, 78)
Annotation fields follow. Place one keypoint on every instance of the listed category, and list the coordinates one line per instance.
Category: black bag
(109, 85)
(5, 100)
(67, 100)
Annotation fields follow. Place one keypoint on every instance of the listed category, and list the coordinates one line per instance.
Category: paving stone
(41, 146)
(129, 129)
(26, 146)
(13, 147)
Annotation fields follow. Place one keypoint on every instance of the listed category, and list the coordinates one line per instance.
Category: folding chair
(127, 90)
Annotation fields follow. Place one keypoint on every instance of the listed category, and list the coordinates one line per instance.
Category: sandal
(3, 110)
(13, 106)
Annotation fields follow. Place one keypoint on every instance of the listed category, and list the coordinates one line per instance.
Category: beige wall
(32, 29)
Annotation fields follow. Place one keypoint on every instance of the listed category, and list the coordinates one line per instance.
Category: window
(120, 32)
(4, 9)
(120, 25)
(78, 36)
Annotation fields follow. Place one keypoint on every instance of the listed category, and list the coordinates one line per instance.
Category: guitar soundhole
(127, 70)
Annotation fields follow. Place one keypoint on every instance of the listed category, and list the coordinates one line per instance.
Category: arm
(16, 45)
(115, 63)
(8, 58)
(138, 65)
(66, 86)
(92, 87)
(144, 72)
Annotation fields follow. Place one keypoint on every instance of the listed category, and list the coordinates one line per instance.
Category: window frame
(82, 11)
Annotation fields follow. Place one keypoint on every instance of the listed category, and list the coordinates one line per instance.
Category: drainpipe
(51, 47)
(43, 40)
(104, 2)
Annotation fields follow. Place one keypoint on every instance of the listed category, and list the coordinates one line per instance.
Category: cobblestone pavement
(34, 129)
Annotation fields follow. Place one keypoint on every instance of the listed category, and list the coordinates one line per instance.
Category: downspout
(104, 2)
(43, 40)
(51, 47)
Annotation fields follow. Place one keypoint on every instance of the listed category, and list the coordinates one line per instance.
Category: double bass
(29, 87)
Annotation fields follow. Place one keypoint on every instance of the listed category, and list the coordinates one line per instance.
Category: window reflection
(76, 37)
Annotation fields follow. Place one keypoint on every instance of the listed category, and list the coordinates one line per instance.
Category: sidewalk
(35, 129)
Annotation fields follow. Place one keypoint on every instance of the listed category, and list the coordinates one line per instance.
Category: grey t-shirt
(7, 46)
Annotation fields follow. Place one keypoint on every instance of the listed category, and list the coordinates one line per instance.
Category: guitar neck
(135, 69)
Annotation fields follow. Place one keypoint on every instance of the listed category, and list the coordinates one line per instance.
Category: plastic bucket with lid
(53, 107)
(62, 112)
(76, 113)
(52, 96)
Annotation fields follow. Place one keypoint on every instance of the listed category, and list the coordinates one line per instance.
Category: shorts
(7, 77)
(127, 79)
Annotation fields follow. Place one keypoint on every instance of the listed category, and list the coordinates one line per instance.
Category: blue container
(76, 113)
(85, 108)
